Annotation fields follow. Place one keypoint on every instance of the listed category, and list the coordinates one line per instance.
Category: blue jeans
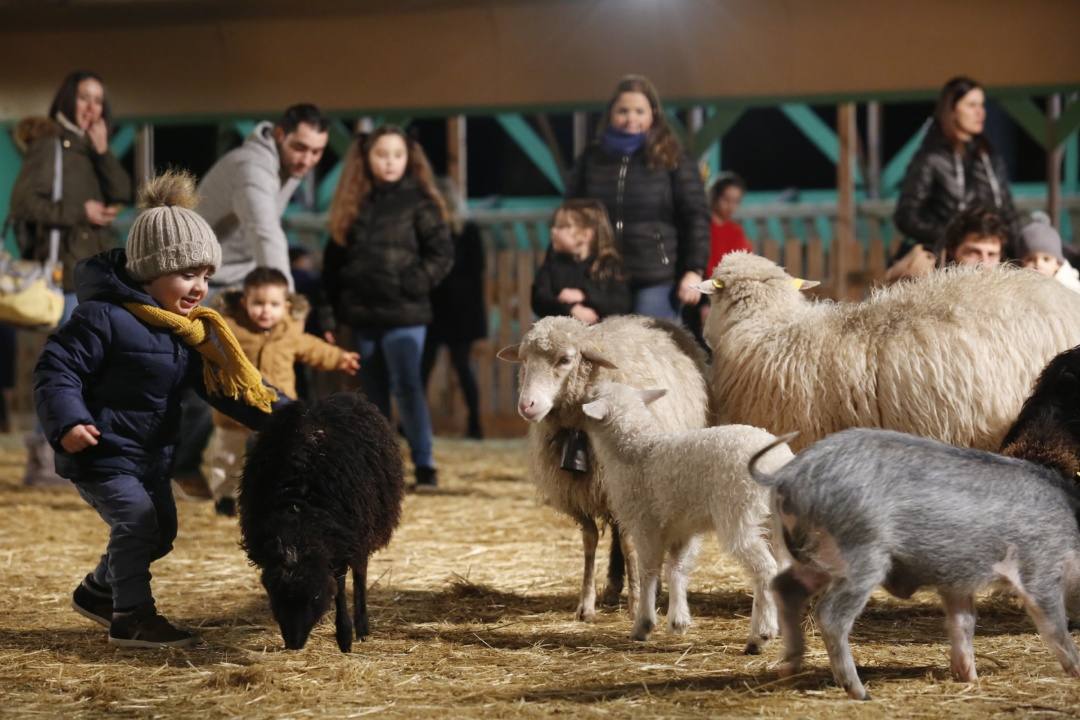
(141, 515)
(655, 301)
(71, 300)
(390, 363)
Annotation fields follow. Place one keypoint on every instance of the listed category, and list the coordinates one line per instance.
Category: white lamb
(666, 488)
(951, 356)
(561, 359)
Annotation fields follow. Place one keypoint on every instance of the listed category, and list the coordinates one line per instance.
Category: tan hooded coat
(274, 351)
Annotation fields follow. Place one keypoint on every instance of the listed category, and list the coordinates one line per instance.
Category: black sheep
(321, 491)
(1047, 430)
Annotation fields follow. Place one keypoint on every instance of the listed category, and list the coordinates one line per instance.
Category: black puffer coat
(931, 194)
(397, 250)
(660, 216)
(457, 303)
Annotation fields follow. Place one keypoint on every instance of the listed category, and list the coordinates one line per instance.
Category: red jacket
(724, 238)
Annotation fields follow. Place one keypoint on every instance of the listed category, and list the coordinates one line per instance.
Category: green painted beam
(1027, 115)
(10, 162)
(327, 187)
(718, 122)
(893, 174)
(244, 127)
(1067, 123)
(340, 137)
(533, 146)
(816, 131)
(123, 140)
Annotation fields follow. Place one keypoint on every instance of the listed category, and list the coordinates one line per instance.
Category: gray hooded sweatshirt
(243, 198)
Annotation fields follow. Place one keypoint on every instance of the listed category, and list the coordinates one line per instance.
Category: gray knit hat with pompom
(168, 235)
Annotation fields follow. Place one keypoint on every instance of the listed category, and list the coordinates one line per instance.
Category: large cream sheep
(561, 359)
(950, 356)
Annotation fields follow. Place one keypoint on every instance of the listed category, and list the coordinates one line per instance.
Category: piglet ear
(509, 354)
(597, 409)
(651, 395)
(597, 358)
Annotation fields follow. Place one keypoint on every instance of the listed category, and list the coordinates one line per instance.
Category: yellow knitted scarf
(226, 371)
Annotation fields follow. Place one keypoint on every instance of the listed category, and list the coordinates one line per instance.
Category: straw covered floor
(472, 610)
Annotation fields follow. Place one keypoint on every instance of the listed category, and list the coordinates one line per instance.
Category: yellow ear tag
(797, 283)
(718, 284)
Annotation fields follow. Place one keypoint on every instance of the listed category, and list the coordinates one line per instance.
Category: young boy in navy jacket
(107, 389)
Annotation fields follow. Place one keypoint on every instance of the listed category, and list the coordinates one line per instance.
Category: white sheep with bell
(950, 356)
(667, 488)
(561, 358)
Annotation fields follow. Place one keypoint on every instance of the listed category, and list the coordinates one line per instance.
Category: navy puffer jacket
(107, 368)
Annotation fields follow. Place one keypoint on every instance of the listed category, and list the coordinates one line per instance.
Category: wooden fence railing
(799, 236)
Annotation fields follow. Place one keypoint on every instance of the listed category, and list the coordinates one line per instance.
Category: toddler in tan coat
(269, 323)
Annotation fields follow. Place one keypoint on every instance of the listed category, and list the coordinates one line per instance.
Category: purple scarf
(622, 143)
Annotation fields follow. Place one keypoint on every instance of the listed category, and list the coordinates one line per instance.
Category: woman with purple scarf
(654, 197)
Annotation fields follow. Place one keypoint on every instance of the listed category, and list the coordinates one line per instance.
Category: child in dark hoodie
(581, 275)
(108, 385)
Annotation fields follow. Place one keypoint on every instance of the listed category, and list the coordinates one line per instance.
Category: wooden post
(873, 148)
(1054, 155)
(457, 154)
(144, 154)
(845, 198)
(581, 133)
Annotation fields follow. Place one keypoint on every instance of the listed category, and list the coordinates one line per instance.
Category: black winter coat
(107, 368)
(660, 216)
(397, 250)
(459, 312)
(562, 270)
(931, 194)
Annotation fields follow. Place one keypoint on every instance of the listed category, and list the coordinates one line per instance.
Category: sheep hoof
(641, 631)
(344, 642)
(679, 626)
(611, 596)
(585, 615)
(752, 648)
(787, 668)
(857, 693)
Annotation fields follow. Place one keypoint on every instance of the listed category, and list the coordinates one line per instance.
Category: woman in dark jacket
(654, 197)
(391, 246)
(954, 169)
(459, 313)
(91, 184)
(92, 180)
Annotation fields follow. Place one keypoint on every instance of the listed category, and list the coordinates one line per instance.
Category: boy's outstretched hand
(79, 438)
(349, 363)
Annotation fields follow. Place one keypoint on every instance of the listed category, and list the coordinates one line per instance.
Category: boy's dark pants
(141, 515)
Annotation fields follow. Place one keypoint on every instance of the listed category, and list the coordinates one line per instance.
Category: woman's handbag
(30, 292)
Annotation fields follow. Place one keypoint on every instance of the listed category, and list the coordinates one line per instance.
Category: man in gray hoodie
(246, 191)
(243, 197)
